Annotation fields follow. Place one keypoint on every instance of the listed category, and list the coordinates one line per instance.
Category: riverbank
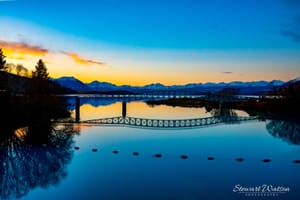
(266, 108)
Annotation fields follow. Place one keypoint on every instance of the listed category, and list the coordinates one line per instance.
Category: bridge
(161, 95)
(125, 120)
(168, 123)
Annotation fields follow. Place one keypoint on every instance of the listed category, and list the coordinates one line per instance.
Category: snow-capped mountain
(155, 86)
(254, 87)
(291, 82)
(72, 83)
(101, 86)
(294, 80)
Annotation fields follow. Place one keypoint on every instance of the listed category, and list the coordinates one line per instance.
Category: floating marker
(183, 156)
(76, 148)
(266, 160)
(94, 150)
(239, 159)
(296, 161)
(210, 158)
(115, 151)
(158, 155)
(135, 153)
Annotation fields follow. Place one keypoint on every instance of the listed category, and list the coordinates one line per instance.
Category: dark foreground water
(248, 160)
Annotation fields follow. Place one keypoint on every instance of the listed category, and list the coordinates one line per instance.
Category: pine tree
(2, 61)
(40, 79)
(41, 71)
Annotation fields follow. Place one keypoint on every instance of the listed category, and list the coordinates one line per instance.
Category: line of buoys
(115, 151)
(266, 160)
(158, 155)
(210, 158)
(184, 156)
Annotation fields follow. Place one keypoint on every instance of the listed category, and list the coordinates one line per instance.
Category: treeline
(29, 101)
(284, 104)
(17, 69)
(18, 80)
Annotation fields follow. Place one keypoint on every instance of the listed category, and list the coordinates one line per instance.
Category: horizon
(143, 42)
(151, 83)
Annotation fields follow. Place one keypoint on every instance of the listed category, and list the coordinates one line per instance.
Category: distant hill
(289, 88)
(254, 87)
(72, 83)
(101, 86)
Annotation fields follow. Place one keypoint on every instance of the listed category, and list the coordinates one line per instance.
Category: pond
(246, 159)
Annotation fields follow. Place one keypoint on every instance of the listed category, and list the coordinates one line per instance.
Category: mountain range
(253, 87)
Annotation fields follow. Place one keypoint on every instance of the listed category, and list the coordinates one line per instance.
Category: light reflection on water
(107, 175)
(98, 175)
(143, 110)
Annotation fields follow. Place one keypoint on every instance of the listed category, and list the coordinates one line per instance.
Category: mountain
(155, 86)
(292, 86)
(101, 86)
(254, 87)
(72, 83)
(293, 81)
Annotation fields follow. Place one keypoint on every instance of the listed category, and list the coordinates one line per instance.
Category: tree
(21, 70)
(41, 71)
(40, 80)
(2, 61)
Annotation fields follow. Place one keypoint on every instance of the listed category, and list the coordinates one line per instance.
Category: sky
(139, 42)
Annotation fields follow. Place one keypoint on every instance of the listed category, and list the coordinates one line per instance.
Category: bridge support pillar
(124, 109)
(77, 110)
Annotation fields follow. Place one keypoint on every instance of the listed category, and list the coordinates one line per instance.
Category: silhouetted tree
(2, 72)
(41, 71)
(40, 80)
(2, 61)
(10, 67)
(18, 69)
(21, 70)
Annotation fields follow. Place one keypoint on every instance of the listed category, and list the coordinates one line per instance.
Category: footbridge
(138, 122)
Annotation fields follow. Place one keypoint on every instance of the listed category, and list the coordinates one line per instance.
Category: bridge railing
(166, 123)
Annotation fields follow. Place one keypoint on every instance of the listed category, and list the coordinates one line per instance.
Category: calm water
(112, 172)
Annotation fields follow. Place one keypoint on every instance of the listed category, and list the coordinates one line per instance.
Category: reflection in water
(93, 101)
(34, 151)
(224, 112)
(228, 115)
(27, 165)
(287, 131)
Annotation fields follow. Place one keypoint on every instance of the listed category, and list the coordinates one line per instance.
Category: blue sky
(177, 41)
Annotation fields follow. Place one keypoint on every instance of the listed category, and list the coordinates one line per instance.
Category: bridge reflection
(220, 116)
(169, 123)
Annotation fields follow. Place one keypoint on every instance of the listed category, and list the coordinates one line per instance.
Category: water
(114, 172)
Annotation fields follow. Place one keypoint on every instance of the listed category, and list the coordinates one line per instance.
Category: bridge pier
(77, 110)
(124, 110)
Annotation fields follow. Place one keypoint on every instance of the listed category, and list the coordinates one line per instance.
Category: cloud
(292, 34)
(293, 30)
(22, 48)
(80, 60)
(227, 72)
